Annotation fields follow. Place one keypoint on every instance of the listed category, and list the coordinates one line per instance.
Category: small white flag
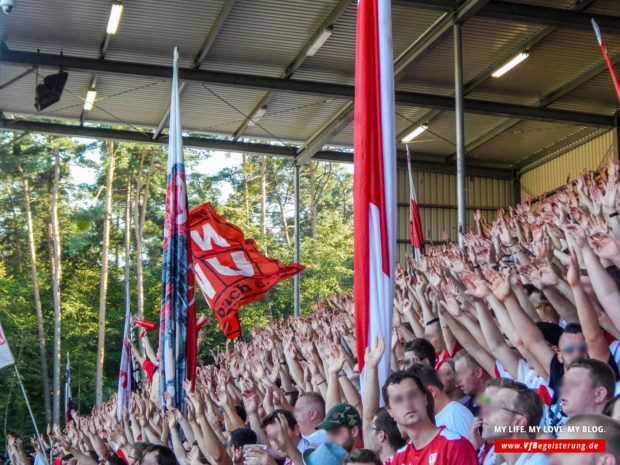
(6, 357)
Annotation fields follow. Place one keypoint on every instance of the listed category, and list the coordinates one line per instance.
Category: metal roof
(560, 93)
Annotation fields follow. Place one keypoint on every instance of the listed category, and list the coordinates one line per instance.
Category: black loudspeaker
(50, 91)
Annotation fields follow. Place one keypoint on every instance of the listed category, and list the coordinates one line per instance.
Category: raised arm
(371, 394)
(595, 338)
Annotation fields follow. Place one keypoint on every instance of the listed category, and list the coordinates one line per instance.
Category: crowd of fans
(516, 336)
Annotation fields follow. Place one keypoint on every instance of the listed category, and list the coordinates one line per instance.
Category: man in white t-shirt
(453, 415)
(309, 411)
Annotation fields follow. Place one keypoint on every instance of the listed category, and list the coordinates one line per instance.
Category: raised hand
(500, 285)
(605, 246)
(372, 357)
(335, 359)
(451, 305)
(251, 401)
(577, 233)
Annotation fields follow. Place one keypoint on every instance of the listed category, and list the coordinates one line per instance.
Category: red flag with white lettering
(229, 269)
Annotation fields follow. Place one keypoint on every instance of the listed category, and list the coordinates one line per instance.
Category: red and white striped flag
(374, 180)
(415, 225)
(125, 369)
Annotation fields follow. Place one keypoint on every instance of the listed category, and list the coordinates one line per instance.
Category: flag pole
(21, 385)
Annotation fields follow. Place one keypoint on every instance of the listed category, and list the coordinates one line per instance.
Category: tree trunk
(263, 200)
(103, 285)
(246, 191)
(313, 203)
(282, 207)
(56, 277)
(142, 196)
(37, 298)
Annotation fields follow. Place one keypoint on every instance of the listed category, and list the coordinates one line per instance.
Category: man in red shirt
(411, 406)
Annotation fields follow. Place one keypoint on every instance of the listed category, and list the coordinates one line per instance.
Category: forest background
(63, 214)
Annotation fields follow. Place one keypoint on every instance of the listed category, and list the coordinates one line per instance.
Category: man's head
(309, 411)
(586, 387)
(242, 436)
(432, 333)
(158, 455)
(470, 376)
(407, 400)
(429, 378)
(447, 376)
(362, 457)
(590, 427)
(572, 345)
(343, 425)
(492, 387)
(417, 351)
(385, 435)
(513, 406)
(137, 453)
(272, 429)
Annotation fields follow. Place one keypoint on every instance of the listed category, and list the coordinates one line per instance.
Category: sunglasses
(580, 346)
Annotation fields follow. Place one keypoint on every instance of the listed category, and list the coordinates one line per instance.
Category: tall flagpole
(21, 385)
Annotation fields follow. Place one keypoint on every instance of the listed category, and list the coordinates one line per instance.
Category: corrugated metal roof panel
(300, 116)
(75, 27)
(524, 139)
(150, 30)
(484, 41)
(596, 96)
(562, 56)
(266, 31)
(117, 99)
(263, 36)
(605, 7)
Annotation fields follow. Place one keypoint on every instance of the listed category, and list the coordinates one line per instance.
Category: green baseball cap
(341, 415)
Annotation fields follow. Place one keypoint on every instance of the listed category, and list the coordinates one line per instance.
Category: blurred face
(407, 403)
(306, 415)
(576, 393)
(466, 378)
(572, 347)
(447, 378)
(409, 359)
(489, 393)
(432, 334)
(500, 412)
(343, 437)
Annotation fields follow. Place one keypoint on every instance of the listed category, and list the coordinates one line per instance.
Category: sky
(210, 166)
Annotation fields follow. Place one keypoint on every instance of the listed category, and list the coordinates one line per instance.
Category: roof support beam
(421, 46)
(424, 162)
(295, 63)
(544, 102)
(529, 14)
(199, 58)
(297, 86)
(486, 74)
